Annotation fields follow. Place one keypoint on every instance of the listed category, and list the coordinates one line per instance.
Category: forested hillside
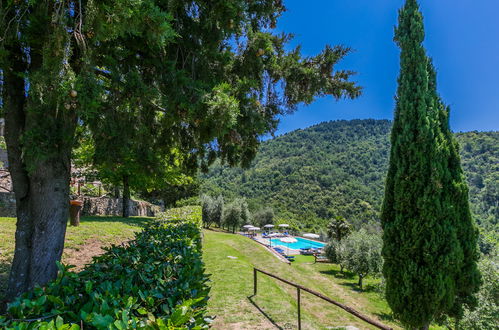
(338, 168)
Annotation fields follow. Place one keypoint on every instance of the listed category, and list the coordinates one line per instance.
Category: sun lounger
(279, 250)
(319, 258)
(307, 252)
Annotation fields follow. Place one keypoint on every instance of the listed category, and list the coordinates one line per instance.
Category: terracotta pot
(74, 212)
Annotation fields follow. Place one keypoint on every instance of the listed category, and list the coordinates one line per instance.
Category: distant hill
(339, 167)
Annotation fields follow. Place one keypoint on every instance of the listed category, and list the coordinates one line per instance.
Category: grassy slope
(81, 242)
(232, 284)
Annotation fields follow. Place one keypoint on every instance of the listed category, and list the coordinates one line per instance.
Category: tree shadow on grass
(385, 316)
(355, 287)
(338, 274)
(267, 316)
(131, 221)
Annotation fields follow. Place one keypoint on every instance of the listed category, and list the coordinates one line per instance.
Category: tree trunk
(360, 281)
(42, 193)
(42, 203)
(126, 197)
(42, 217)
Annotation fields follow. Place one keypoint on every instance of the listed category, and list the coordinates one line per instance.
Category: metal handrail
(317, 294)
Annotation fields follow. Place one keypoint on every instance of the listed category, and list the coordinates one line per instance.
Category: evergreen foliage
(190, 81)
(338, 169)
(429, 240)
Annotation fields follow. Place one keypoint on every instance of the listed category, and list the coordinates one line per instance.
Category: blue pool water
(301, 243)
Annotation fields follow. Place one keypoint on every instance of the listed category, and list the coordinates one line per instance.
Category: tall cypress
(429, 240)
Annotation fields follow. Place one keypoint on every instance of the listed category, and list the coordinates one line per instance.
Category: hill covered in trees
(338, 168)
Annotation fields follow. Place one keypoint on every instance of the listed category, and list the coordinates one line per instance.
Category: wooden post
(254, 281)
(299, 308)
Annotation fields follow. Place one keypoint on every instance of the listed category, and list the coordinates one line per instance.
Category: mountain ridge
(339, 167)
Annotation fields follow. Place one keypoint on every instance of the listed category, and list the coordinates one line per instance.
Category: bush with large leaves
(156, 281)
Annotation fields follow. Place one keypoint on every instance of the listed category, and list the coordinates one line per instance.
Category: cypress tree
(429, 240)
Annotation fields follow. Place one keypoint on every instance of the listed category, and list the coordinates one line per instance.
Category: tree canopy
(338, 168)
(205, 78)
(429, 237)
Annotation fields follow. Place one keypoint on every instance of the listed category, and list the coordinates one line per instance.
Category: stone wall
(91, 206)
(114, 206)
(7, 204)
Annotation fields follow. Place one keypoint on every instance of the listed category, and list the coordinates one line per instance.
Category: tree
(212, 210)
(232, 216)
(429, 241)
(119, 158)
(218, 209)
(208, 79)
(338, 228)
(361, 254)
(264, 216)
(335, 252)
(485, 315)
(207, 210)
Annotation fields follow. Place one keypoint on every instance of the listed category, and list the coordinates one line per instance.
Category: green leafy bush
(157, 281)
(191, 214)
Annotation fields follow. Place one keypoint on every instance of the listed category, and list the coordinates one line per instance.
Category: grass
(274, 306)
(82, 242)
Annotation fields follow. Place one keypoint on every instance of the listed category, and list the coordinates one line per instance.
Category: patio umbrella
(283, 225)
(254, 228)
(288, 240)
(268, 226)
(309, 235)
(247, 226)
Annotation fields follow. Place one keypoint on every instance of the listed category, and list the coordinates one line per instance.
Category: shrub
(191, 214)
(155, 282)
(485, 314)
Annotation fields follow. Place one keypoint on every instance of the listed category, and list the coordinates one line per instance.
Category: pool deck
(289, 251)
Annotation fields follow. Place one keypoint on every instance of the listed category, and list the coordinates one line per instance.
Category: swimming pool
(301, 243)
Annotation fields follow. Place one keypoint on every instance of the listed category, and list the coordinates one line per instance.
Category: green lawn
(275, 304)
(82, 242)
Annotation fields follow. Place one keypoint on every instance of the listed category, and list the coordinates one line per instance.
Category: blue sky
(462, 36)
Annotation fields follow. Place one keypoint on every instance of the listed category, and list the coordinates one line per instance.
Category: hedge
(157, 281)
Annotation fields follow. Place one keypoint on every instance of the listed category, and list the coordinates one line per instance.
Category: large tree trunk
(42, 192)
(42, 216)
(126, 197)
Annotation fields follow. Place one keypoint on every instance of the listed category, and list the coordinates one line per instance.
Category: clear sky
(462, 36)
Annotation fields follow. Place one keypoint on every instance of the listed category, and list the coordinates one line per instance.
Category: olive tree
(212, 210)
(361, 254)
(264, 216)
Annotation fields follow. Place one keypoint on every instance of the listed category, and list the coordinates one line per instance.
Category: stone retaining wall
(7, 204)
(114, 206)
(91, 206)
